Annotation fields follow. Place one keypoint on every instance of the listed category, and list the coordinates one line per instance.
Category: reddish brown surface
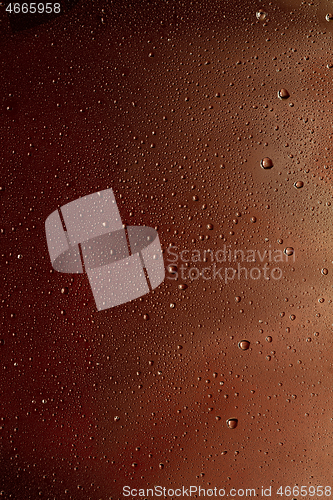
(173, 105)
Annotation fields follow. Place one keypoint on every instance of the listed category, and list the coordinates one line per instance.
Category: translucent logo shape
(122, 263)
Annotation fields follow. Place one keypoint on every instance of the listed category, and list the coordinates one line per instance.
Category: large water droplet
(289, 251)
(266, 163)
(324, 271)
(172, 269)
(244, 345)
(299, 184)
(283, 94)
(232, 423)
(261, 15)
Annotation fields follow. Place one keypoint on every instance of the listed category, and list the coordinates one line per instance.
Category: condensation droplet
(283, 94)
(232, 423)
(289, 251)
(299, 184)
(183, 286)
(261, 15)
(266, 163)
(238, 299)
(172, 269)
(269, 339)
(244, 345)
(324, 271)
(210, 226)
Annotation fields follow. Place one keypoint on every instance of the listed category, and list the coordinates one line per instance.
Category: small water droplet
(20, 256)
(183, 286)
(321, 300)
(299, 184)
(269, 339)
(253, 219)
(232, 423)
(324, 271)
(172, 305)
(238, 299)
(146, 317)
(283, 94)
(244, 345)
(289, 251)
(210, 226)
(116, 418)
(329, 17)
(266, 163)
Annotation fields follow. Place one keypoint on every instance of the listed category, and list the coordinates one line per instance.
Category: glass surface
(211, 122)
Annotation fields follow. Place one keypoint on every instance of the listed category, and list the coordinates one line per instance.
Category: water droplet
(210, 226)
(172, 269)
(20, 256)
(280, 241)
(269, 339)
(244, 345)
(261, 15)
(321, 300)
(116, 419)
(283, 94)
(232, 423)
(238, 299)
(329, 17)
(299, 184)
(324, 271)
(161, 466)
(146, 317)
(64, 290)
(183, 286)
(266, 163)
(289, 251)
(253, 219)
(172, 305)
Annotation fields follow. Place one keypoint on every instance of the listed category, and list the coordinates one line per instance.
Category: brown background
(163, 101)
